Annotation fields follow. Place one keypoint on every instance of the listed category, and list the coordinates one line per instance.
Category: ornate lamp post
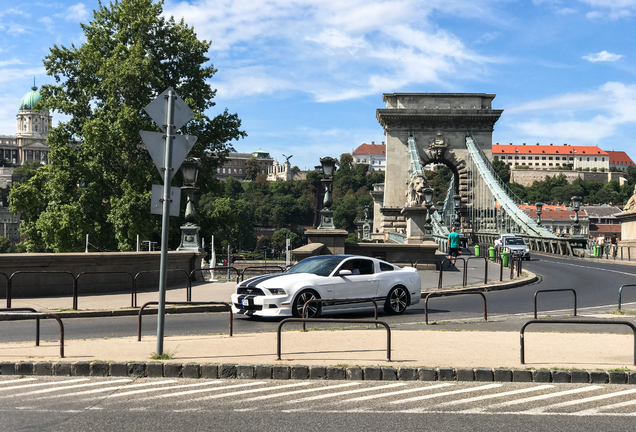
(576, 206)
(326, 214)
(190, 231)
(428, 203)
(457, 203)
(539, 207)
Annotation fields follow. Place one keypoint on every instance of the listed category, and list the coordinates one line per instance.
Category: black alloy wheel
(397, 301)
(313, 309)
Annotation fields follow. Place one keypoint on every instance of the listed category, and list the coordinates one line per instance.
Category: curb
(493, 286)
(135, 312)
(300, 372)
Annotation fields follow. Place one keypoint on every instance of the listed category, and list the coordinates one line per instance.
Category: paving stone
(227, 371)
(372, 373)
(43, 368)
(281, 372)
(599, 377)
(118, 369)
(579, 376)
(617, 377)
(503, 375)
(484, 375)
(154, 370)
(446, 374)
(355, 373)
(264, 372)
(191, 370)
(465, 374)
(80, 369)
(522, 375)
(631, 378)
(7, 368)
(560, 376)
(136, 369)
(99, 369)
(244, 371)
(172, 370)
(299, 372)
(210, 371)
(406, 373)
(389, 374)
(542, 375)
(24, 368)
(427, 374)
(336, 373)
(317, 372)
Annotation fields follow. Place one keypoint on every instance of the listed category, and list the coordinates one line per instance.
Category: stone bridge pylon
(423, 128)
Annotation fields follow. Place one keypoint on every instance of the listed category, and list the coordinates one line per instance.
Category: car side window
(386, 267)
(365, 266)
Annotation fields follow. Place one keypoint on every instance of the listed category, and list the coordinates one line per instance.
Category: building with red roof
(545, 157)
(372, 154)
(619, 160)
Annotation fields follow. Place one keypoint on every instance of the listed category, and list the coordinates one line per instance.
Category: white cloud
(612, 9)
(76, 13)
(602, 56)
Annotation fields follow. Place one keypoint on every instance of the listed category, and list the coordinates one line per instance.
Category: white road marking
(99, 383)
(580, 401)
(300, 391)
(134, 392)
(534, 398)
(42, 384)
(495, 395)
(14, 380)
(207, 390)
(593, 411)
(325, 396)
(587, 267)
(102, 390)
(436, 395)
(381, 395)
(258, 390)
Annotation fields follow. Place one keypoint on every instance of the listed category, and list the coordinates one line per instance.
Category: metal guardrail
(10, 316)
(466, 269)
(441, 270)
(132, 285)
(453, 293)
(620, 292)
(191, 278)
(141, 311)
(595, 322)
(157, 271)
(553, 290)
(340, 301)
(329, 320)
(37, 320)
(10, 284)
(265, 267)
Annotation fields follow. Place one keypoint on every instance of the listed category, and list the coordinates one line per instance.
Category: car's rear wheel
(397, 301)
(313, 309)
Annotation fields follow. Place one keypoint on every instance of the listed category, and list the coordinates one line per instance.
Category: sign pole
(165, 221)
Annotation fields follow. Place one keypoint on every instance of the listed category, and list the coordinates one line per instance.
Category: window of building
(550, 164)
(223, 170)
(240, 170)
(550, 158)
(523, 158)
(543, 158)
(543, 163)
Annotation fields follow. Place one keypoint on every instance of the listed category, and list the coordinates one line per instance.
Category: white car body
(499, 240)
(393, 287)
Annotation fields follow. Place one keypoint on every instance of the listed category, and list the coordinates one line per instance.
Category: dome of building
(30, 99)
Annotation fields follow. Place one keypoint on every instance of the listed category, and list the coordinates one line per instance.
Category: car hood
(517, 247)
(276, 280)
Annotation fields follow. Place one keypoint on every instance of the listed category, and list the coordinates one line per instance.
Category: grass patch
(164, 356)
(617, 312)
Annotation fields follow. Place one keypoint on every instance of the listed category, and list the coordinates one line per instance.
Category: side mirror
(344, 272)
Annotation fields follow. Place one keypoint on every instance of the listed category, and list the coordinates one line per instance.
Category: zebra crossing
(415, 397)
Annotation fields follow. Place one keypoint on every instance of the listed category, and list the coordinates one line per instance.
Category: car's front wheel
(313, 309)
(397, 301)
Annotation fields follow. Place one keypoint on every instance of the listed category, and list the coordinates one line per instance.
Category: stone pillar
(332, 239)
(628, 228)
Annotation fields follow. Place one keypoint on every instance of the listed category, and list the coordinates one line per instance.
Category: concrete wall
(51, 284)
(527, 177)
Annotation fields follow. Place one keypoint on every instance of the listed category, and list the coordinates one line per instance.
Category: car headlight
(277, 291)
(527, 249)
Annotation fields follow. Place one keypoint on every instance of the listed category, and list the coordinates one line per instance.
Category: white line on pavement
(42, 384)
(207, 390)
(301, 391)
(364, 398)
(581, 401)
(366, 389)
(436, 395)
(258, 390)
(102, 390)
(496, 395)
(134, 392)
(99, 383)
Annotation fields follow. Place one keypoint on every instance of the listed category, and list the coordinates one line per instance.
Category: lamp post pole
(576, 206)
(539, 207)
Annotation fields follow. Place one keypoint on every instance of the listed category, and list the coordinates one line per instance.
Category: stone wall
(527, 177)
(57, 284)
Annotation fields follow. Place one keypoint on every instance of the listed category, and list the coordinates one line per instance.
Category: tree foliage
(100, 185)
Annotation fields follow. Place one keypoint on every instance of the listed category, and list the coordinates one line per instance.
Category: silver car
(516, 246)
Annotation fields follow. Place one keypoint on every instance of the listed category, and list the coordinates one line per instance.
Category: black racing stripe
(252, 283)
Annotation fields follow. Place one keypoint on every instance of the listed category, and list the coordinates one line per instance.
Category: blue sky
(306, 76)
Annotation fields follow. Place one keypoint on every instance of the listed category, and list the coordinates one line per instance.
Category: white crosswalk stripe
(62, 388)
(189, 392)
(436, 395)
(399, 392)
(135, 392)
(495, 395)
(300, 392)
(258, 390)
(330, 395)
(42, 384)
(580, 401)
(107, 389)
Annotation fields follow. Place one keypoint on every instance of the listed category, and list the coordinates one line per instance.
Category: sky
(307, 76)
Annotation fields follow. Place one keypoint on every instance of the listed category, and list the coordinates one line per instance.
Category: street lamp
(190, 231)
(428, 203)
(576, 206)
(326, 214)
(457, 203)
(539, 207)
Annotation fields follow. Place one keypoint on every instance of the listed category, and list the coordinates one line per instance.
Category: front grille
(250, 291)
(250, 307)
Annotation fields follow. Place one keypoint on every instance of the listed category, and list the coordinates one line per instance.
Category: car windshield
(320, 266)
(515, 241)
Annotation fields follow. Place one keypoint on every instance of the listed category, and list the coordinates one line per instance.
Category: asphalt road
(596, 285)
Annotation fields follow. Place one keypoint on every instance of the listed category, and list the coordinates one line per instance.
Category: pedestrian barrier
(157, 271)
(10, 284)
(331, 302)
(10, 316)
(132, 285)
(7, 283)
(330, 320)
(141, 311)
(441, 270)
(620, 291)
(466, 269)
(191, 278)
(554, 290)
(453, 293)
(37, 320)
(264, 267)
(555, 321)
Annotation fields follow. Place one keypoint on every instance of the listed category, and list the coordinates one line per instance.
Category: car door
(362, 285)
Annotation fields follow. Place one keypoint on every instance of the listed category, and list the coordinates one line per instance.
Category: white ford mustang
(329, 277)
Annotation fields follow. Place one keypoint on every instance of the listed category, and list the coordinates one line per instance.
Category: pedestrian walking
(452, 244)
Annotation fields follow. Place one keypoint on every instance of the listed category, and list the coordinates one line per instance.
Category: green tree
(252, 169)
(5, 245)
(233, 188)
(100, 186)
(229, 220)
(502, 170)
(279, 239)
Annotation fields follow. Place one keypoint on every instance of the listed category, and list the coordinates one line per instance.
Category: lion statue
(415, 193)
(631, 203)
